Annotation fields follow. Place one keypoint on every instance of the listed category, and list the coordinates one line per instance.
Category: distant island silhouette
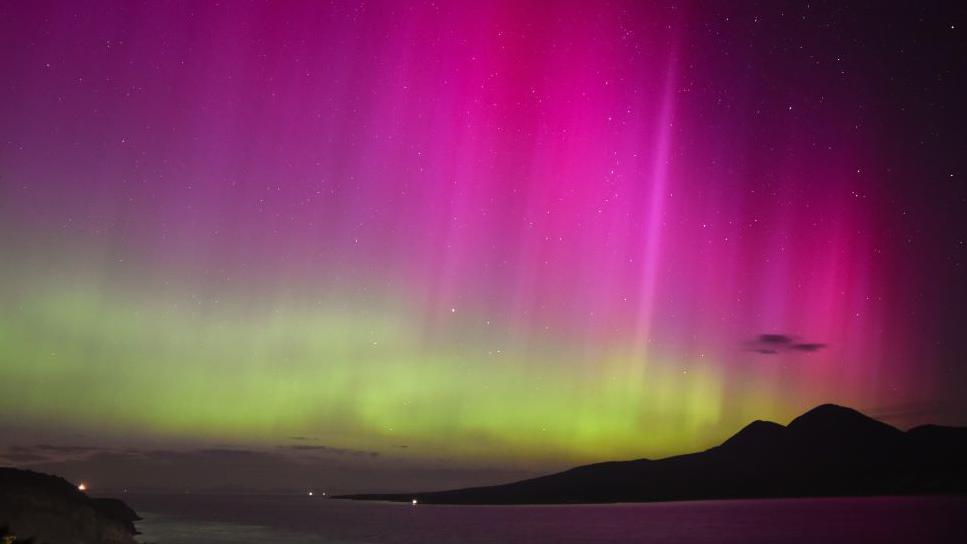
(828, 451)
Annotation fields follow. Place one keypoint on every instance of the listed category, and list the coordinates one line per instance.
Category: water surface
(217, 519)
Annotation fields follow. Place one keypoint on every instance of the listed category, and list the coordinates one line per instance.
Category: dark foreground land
(49, 509)
(828, 451)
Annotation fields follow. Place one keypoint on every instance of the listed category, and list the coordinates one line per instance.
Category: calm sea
(217, 519)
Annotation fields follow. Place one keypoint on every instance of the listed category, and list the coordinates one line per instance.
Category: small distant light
(310, 493)
(414, 502)
(82, 487)
(323, 493)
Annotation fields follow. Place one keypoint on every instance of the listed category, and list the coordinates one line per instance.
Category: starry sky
(378, 245)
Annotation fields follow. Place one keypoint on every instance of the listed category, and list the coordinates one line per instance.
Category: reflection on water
(162, 529)
(211, 519)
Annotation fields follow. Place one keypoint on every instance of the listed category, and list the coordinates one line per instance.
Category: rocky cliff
(51, 510)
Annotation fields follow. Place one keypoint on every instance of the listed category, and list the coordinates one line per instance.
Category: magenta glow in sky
(617, 193)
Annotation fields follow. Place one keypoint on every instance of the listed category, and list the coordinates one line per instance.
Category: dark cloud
(329, 450)
(24, 455)
(779, 339)
(275, 470)
(20, 455)
(18, 449)
(228, 452)
(66, 449)
(772, 344)
(807, 347)
(907, 413)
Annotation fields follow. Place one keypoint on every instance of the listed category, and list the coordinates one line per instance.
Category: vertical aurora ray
(655, 221)
(489, 232)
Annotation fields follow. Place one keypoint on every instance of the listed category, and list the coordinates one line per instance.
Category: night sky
(379, 245)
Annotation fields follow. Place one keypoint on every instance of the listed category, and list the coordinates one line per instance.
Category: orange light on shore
(82, 486)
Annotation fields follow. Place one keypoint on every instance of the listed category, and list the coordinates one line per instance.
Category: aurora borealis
(502, 233)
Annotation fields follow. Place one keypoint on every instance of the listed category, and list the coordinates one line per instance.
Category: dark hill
(828, 451)
(51, 510)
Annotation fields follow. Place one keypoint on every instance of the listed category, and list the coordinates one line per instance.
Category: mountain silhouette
(828, 451)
